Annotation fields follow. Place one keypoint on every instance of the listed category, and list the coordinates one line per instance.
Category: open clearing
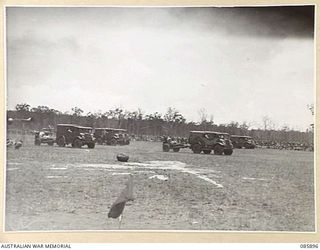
(53, 188)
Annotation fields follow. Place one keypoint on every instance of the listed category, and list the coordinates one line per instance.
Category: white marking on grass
(162, 165)
(160, 177)
(10, 169)
(58, 168)
(14, 163)
(120, 174)
(55, 176)
(144, 171)
(258, 179)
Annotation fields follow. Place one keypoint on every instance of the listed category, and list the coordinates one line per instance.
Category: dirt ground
(52, 188)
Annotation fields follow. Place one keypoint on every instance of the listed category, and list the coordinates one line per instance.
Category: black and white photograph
(178, 119)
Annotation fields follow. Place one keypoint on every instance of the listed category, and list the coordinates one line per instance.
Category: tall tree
(267, 123)
(76, 111)
(24, 107)
(174, 116)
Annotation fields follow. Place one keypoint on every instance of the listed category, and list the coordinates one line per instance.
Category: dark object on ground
(122, 157)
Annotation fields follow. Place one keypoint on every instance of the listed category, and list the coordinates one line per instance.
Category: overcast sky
(240, 64)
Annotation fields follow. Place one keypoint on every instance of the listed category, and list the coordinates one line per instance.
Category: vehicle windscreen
(84, 130)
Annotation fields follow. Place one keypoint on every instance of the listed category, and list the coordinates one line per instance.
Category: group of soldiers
(286, 145)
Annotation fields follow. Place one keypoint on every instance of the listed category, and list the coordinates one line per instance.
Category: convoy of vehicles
(198, 141)
(79, 136)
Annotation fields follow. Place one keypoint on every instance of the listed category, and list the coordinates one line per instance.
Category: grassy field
(53, 188)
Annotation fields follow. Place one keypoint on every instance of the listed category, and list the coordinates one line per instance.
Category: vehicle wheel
(113, 142)
(207, 151)
(165, 147)
(77, 143)
(176, 149)
(196, 148)
(37, 142)
(61, 142)
(218, 149)
(50, 143)
(91, 145)
(228, 151)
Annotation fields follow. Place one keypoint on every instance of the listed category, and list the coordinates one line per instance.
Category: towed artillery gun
(173, 144)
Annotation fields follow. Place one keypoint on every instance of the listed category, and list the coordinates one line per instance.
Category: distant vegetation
(136, 122)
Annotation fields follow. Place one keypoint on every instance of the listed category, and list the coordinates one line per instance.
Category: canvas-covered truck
(111, 136)
(75, 135)
(208, 141)
(243, 141)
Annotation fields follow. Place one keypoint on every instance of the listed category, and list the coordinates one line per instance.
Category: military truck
(111, 136)
(75, 135)
(243, 141)
(208, 141)
(45, 136)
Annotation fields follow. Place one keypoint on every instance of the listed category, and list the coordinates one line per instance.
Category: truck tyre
(176, 149)
(196, 148)
(228, 151)
(91, 145)
(50, 143)
(165, 147)
(61, 141)
(218, 149)
(77, 143)
(113, 142)
(207, 151)
(37, 142)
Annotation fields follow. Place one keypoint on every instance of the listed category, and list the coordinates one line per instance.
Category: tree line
(172, 123)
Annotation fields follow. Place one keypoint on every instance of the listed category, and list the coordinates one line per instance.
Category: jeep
(242, 141)
(75, 135)
(206, 141)
(44, 136)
